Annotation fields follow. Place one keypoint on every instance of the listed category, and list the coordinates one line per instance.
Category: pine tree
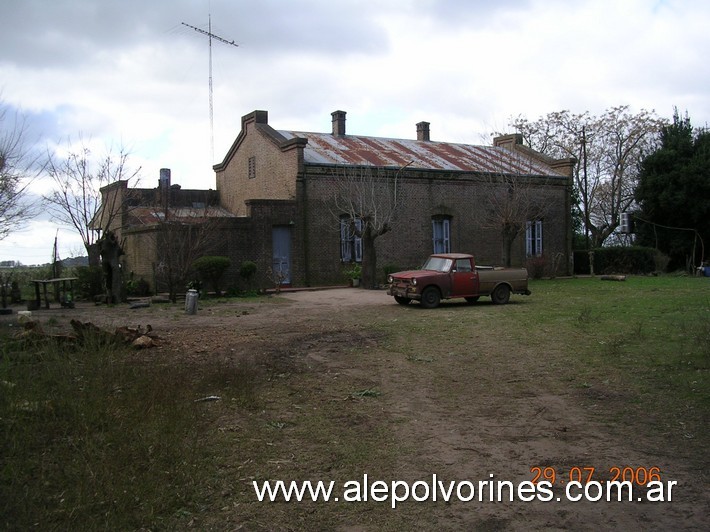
(674, 194)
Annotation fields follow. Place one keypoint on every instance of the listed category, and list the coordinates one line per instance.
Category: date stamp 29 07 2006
(640, 476)
(615, 482)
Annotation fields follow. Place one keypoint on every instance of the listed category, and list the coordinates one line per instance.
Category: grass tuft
(92, 438)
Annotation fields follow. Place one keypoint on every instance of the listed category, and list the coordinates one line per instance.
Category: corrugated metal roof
(192, 215)
(356, 150)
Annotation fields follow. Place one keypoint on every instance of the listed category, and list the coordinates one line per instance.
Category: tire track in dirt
(472, 417)
(498, 410)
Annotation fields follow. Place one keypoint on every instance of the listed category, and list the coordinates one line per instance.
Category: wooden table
(64, 286)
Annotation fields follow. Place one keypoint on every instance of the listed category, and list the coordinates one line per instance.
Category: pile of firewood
(137, 337)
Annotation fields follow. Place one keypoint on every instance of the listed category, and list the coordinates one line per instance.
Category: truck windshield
(437, 264)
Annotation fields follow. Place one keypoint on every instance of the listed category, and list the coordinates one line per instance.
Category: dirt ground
(462, 417)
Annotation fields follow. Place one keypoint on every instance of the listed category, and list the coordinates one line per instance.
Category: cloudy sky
(129, 74)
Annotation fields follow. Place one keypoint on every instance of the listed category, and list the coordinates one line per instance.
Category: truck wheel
(402, 300)
(501, 295)
(430, 297)
(471, 299)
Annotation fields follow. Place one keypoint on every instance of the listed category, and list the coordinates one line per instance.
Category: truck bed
(491, 276)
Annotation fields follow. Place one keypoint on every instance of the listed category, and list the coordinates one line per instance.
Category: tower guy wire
(211, 36)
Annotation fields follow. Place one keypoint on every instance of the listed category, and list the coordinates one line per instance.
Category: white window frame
(533, 238)
(441, 234)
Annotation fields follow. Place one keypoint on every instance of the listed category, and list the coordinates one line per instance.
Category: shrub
(661, 261)
(139, 288)
(22, 277)
(194, 285)
(536, 267)
(211, 268)
(90, 281)
(354, 271)
(247, 270)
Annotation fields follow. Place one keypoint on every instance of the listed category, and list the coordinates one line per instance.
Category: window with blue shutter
(441, 230)
(350, 243)
(533, 238)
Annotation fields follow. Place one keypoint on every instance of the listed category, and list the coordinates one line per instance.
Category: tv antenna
(211, 36)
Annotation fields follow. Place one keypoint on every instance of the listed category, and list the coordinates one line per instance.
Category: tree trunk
(507, 251)
(369, 261)
(172, 285)
(509, 233)
(111, 252)
(94, 253)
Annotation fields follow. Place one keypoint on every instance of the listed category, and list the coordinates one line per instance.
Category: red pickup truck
(449, 275)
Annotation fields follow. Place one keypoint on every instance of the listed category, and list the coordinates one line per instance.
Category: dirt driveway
(493, 412)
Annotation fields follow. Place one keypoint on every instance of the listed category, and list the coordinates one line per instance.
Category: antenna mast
(211, 36)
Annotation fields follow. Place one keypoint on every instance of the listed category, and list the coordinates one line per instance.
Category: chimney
(508, 141)
(164, 181)
(423, 131)
(164, 188)
(338, 123)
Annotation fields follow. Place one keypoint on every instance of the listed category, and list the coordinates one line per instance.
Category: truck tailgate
(490, 277)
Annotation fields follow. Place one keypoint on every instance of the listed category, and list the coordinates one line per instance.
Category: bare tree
(180, 240)
(77, 201)
(18, 167)
(511, 205)
(608, 148)
(367, 198)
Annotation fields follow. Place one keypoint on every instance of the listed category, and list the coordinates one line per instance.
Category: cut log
(613, 278)
(126, 335)
(143, 342)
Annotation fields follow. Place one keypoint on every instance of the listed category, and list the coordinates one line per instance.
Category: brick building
(274, 202)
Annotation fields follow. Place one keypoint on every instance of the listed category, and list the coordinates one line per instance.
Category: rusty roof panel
(323, 148)
(154, 215)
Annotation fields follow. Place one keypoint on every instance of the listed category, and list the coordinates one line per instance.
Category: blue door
(281, 263)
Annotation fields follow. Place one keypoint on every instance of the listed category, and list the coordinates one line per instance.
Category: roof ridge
(350, 135)
(368, 150)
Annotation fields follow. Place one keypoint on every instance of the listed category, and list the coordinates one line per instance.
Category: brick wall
(256, 167)
(241, 239)
(264, 181)
(423, 195)
(140, 248)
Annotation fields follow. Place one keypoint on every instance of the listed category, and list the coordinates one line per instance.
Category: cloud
(130, 74)
(34, 243)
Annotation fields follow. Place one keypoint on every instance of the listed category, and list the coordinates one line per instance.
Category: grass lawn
(97, 437)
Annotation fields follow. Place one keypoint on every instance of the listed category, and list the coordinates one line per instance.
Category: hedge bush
(247, 270)
(137, 288)
(211, 268)
(629, 260)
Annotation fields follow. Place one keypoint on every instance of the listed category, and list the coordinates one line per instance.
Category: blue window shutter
(538, 237)
(441, 235)
(358, 241)
(528, 239)
(350, 243)
(447, 235)
(435, 235)
(345, 240)
(533, 238)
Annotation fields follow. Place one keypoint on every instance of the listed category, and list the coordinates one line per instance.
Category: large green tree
(673, 194)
